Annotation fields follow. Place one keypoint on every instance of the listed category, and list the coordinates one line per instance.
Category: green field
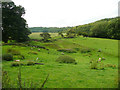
(62, 75)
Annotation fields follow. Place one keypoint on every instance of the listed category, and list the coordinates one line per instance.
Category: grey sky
(60, 13)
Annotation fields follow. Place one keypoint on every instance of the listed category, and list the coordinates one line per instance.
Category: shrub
(85, 50)
(7, 57)
(30, 63)
(13, 51)
(71, 36)
(19, 57)
(32, 52)
(99, 50)
(77, 49)
(65, 59)
(67, 50)
(17, 63)
(5, 79)
(94, 65)
(110, 65)
(102, 67)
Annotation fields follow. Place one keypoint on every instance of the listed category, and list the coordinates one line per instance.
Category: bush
(110, 65)
(77, 49)
(32, 52)
(12, 51)
(19, 57)
(65, 59)
(67, 50)
(7, 57)
(94, 65)
(71, 36)
(85, 50)
(17, 63)
(30, 63)
(102, 66)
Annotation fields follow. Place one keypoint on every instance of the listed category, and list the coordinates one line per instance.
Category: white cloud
(67, 12)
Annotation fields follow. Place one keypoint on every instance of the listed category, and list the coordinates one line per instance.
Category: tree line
(48, 29)
(105, 28)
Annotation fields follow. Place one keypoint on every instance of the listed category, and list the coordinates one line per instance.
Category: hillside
(105, 28)
(48, 29)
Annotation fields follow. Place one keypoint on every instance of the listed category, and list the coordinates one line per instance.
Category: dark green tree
(60, 33)
(45, 36)
(114, 29)
(99, 29)
(14, 25)
(71, 33)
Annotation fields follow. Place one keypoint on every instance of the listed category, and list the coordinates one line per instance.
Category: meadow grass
(37, 35)
(63, 75)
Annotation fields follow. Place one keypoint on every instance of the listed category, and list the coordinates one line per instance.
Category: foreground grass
(68, 75)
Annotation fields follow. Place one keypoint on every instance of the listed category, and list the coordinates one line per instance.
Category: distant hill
(48, 29)
(104, 28)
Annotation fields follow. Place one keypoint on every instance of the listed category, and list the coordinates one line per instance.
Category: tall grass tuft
(6, 81)
(13, 51)
(94, 65)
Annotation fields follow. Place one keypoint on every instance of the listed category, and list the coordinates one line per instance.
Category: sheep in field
(17, 60)
(62, 53)
(99, 60)
(39, 50)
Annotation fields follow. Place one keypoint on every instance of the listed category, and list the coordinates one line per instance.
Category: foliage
(65, 59)
(48, 29)
(71, 33)
(7, 57)
(13, 51)
(32, 52)
(105, 28)
(5, 79)
(30, 63)
(45, 36)
(102, 66)
(94, 65)
(19, 83)
(14, 25)
(61, 34)
(85, 50)
(110, 65)
(67, 50)
(17, 63)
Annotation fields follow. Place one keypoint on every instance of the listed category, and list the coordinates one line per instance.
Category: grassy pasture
(37, 35)
(68, 75)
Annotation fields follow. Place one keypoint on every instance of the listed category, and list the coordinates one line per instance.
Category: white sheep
(99, 60)
(39, 50)
(36, 58)
(17, 60)
(62, 53)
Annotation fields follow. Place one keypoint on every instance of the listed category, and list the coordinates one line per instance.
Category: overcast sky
(62, 13)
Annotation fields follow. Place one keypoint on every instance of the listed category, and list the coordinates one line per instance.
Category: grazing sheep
(17, 60)
(36, 58)
(62, 53)
(99, 60)
(39, 50)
